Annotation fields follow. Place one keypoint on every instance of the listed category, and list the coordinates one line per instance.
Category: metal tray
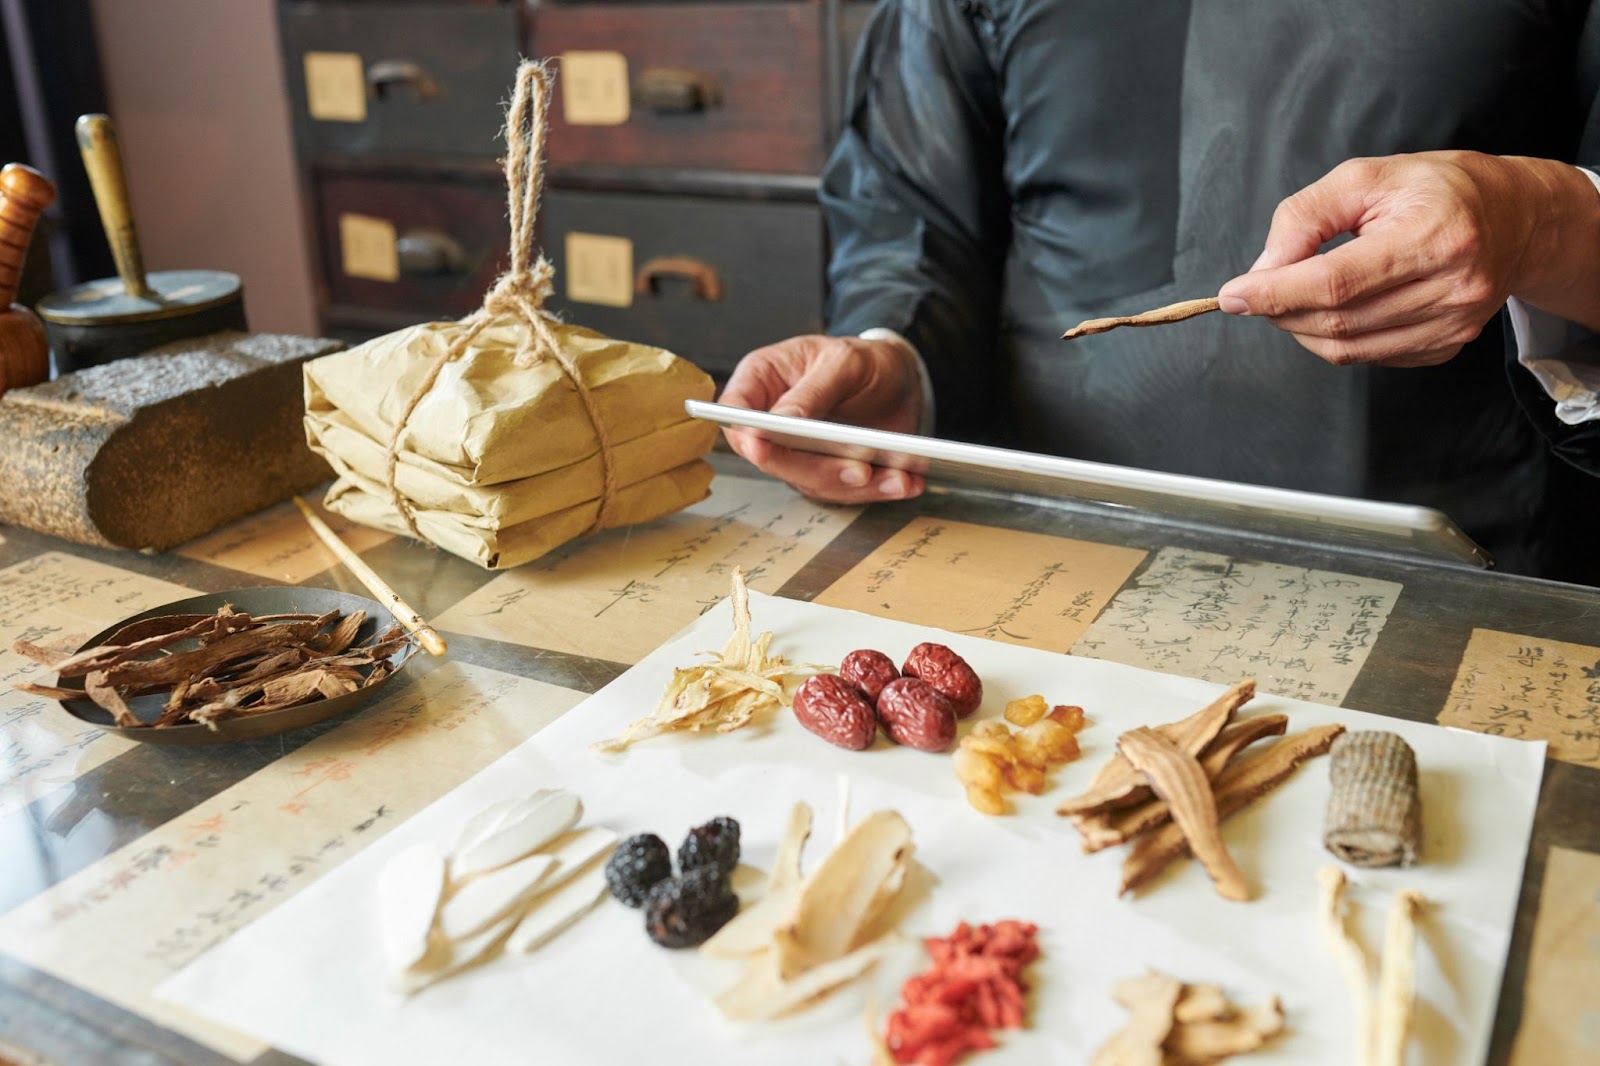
(272, 600)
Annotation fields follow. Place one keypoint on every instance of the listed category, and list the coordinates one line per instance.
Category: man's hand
(1440, 239)
(840, 379)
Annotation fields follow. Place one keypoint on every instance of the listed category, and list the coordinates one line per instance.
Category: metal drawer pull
(675, 90)
(426, 252)
(394, 73)
(707, 283)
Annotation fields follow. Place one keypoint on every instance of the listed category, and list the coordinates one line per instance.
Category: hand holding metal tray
(1395, 529)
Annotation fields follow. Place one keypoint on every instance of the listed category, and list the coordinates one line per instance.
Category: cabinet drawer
(429, 247)
(706, 279)
(368, 79)
(730, 86)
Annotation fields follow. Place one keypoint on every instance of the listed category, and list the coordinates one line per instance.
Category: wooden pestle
(24, 349)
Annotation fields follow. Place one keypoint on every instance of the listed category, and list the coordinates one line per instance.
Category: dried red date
(868, 671)
(835, 710)
(947, 672)
(916, 715)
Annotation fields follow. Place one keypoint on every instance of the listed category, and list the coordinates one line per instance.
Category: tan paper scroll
(1024, 588)
(1529, 688)
(1561, 997)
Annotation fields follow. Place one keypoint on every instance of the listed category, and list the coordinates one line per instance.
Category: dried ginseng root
(1382, 1014)
(1374, 808)
(237, 665)
(1174, 1024)
(972, 986)
(738, 684)
(993, 759)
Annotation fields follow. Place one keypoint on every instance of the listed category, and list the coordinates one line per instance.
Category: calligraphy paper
(1561, 998)
(1298, 632)
(1529, 688)
(310, 978)
(1023, 588)
(619, 594)
(120, 926)
(58, 601)
(278, 544)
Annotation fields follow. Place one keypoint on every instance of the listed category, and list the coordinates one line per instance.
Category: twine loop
(519, 293)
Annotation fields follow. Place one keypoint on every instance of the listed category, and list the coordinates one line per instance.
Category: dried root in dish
(1175, 1024)
(739, 683)
(993, 759)
(237, 664)
(1168, 788)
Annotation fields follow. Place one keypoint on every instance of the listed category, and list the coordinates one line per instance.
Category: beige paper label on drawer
(1031, 589)
(599, 270)
(368, 248)
(336, 87)
(594, 88)
(1529, 688)
(1561, 999)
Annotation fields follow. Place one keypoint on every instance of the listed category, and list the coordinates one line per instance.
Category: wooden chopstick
(1171, 313)
(426, 635)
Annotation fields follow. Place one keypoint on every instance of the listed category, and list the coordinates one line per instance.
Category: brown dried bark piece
(1104, 830)
(1178, 779)
(158, 626)
(342, 635)
(174, 668)
(1239, 785)
(1118, 784)
(99, 689)
(1160, 316)
(1374, 815)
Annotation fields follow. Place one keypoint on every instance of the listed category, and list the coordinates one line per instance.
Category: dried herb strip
(1374, 815)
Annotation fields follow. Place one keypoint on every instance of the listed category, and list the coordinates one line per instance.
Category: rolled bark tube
(1374, 813)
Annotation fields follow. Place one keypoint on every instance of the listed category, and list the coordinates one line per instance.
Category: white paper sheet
(308, 977)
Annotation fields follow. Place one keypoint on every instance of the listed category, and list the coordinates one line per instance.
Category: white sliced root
(841, 895)
(527, 829)
(553, 912)
(408, 896)
(487, 899)
(486, 821)
(761, 993)
(842, 825)
(752, 929)
(451, 957)
(1330, 912)
(1397, 981)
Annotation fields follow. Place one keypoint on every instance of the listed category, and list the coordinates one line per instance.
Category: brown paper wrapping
(499, 462)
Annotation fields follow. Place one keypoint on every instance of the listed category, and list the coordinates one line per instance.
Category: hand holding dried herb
(238, 664)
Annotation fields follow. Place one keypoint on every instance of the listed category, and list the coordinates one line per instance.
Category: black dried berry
(684, 911)
(714, 844)
(640, 863)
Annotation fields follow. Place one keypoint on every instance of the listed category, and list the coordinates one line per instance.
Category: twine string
(519, 293)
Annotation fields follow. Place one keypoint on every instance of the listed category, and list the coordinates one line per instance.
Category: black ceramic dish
(277, 600)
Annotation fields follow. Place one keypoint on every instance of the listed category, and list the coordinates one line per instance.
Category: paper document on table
(311, 977)
(58, 601)
(618, 594)
(278, 545)
(120, 926)
(1561, 997)
(1022, 588)
(1299, 632)
(1530, 688)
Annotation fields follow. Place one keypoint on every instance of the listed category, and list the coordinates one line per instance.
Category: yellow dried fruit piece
(985, 800)
(976, 770)
(1027, 710)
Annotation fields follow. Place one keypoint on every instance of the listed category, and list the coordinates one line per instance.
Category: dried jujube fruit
(868, 671)
(836, 711)
(947, 672)
(916, 715)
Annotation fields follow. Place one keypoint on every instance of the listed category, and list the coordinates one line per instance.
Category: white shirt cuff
(878, 333)
(1541, 338)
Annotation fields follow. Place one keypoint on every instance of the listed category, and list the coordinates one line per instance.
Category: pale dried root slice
(1352, 963)
(1234, 1033)
(1374, 815)
(484, 901)
(409, 888)
(1178, 779)
(841, 896)
(1202, 1003)
(1104, 830)
(1159, 316)
(1397, 977)
(1240, 784)
(752, 929)
(1117, 784)
(762, 993)
(741, 682)
(554, 911)
(1150, 1001)
(521, 831)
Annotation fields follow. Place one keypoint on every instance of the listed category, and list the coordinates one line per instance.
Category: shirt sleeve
(916, 205)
